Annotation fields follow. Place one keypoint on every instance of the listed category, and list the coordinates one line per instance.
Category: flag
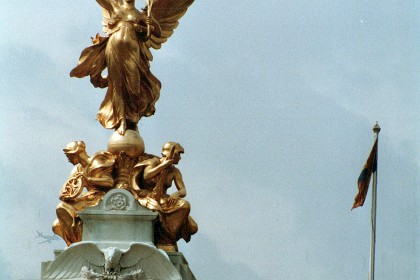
(364, 178)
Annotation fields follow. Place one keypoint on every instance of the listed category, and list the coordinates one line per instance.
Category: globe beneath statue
(130, 143)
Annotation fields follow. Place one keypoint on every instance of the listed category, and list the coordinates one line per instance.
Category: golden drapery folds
(132, 89)
(152, 177)
(91, 174)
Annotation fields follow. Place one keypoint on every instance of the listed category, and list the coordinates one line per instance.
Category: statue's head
(73, 151)
(172, 150)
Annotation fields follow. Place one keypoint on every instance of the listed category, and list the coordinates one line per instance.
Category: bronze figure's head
(172, 150)
(73, 151)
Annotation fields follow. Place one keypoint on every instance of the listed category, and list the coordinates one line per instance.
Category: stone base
(118, 239)
(118, 220)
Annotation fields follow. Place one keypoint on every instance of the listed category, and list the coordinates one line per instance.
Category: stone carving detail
(85, 260)
(89, 274)
(117, 202)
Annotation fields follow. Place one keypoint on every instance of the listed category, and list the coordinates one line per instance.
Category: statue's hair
(75, 147)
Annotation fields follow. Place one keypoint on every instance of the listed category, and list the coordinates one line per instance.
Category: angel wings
(166, 12)
(86, 260)
(132, 89)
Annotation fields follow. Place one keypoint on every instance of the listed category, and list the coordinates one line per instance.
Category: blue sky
(274, 103)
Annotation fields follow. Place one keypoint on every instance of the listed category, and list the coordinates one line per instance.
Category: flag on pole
(364, 178)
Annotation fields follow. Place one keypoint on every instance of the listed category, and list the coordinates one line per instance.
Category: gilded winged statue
(125, 51)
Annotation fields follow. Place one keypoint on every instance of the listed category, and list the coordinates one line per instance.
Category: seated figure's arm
(155, 168)
(179, 183)
(99, 174)
(105, 181)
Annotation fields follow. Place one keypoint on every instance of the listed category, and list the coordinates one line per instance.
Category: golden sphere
(131, 143)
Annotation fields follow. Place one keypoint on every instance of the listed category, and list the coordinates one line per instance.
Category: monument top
(115, 204)
(125, 51)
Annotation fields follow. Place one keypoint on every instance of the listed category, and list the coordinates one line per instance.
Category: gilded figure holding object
(125, 51)
(151, 180)
(93, 174)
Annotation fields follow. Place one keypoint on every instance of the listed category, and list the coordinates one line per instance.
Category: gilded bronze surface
(132, 89)
(88, 182)
(132, 93)
(151, 179)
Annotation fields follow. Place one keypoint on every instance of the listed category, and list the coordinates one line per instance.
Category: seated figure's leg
(58, 229)
(68, 224)
(176, 218)
(192, 226)
(175, 223)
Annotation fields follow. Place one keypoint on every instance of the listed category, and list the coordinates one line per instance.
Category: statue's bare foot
(122, 128)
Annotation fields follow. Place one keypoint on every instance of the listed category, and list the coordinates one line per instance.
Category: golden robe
(132, 89)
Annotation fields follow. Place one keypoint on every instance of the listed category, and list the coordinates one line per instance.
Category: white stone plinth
(118, 220)
(117, 243)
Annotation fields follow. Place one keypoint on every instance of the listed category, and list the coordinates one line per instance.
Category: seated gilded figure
(92, 174)
(151, 179)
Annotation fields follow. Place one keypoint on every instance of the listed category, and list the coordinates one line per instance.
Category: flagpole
(376, 130)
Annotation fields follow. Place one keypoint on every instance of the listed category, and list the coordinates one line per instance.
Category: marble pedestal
(118, 220)
(117, 243)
